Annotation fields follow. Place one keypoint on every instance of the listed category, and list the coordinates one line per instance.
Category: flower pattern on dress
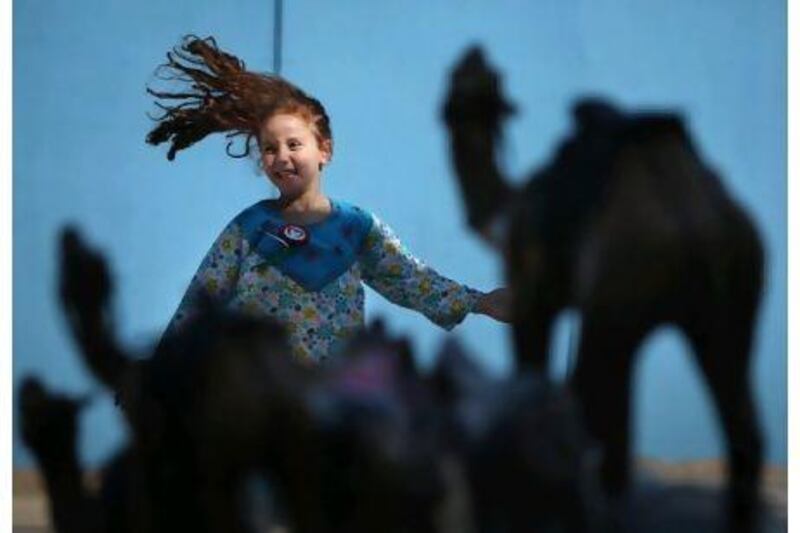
(319, 322)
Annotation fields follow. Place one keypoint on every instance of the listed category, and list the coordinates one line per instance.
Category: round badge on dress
(294, 235)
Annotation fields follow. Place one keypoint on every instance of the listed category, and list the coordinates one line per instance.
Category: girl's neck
(305, 209)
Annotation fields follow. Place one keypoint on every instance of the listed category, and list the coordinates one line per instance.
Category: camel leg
(532, 329)
(536, 299)
(602, 383)
(723, 351)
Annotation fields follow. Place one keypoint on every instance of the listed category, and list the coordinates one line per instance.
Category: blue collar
(332, 246)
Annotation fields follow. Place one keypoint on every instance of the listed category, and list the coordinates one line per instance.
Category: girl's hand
(496, 304)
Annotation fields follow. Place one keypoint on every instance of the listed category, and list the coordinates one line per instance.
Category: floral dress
(316, 291)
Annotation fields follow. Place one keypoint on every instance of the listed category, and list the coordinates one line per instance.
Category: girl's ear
(326, 147)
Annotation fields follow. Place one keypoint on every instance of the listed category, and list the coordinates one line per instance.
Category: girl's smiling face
(292, 155)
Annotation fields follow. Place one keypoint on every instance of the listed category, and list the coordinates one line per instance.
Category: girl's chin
(291, 189)
(287, 194)
(288, 189)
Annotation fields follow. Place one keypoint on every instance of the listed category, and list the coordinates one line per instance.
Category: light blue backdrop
(80, 69)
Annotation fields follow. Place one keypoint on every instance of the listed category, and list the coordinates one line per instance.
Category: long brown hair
(219, 95)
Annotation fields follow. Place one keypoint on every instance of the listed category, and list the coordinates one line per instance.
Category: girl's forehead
(284, 124)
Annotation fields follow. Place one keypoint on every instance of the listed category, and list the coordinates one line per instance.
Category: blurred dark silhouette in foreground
(226, 428)
(628, 226)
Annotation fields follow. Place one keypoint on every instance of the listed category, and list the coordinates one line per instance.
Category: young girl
(300, 258)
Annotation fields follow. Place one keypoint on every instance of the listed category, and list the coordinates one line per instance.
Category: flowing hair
(219, 95)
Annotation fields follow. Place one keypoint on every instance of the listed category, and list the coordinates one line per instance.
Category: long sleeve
(215, 279)
(389, 268)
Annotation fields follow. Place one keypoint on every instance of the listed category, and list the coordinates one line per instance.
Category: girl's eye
(294, 145)
(269, 150)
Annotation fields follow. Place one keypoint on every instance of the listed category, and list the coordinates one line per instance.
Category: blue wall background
(79, 123)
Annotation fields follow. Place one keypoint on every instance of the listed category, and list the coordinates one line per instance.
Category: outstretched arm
(389, 268)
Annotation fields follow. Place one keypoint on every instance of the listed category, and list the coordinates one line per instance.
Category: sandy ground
(698, 481)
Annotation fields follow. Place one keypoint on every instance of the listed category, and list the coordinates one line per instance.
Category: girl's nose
(282, 155)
